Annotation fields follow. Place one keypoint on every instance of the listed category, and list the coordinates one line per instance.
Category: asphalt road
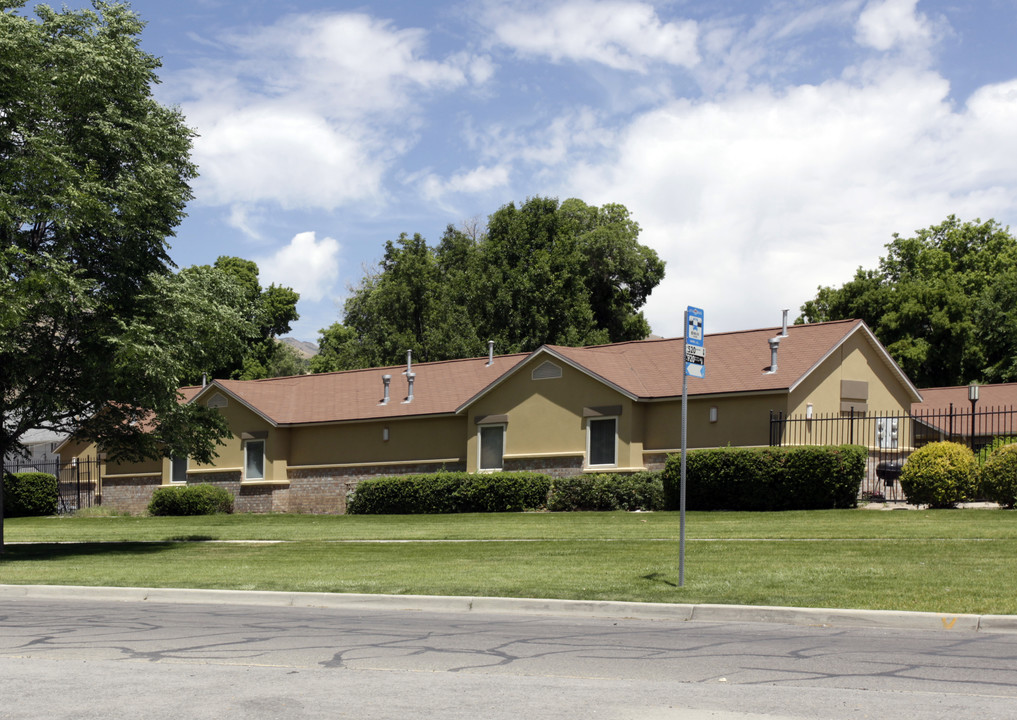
(74, 658)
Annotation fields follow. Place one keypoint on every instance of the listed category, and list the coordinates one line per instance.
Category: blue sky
(765, 148)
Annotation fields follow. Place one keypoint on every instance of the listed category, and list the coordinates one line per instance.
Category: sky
(765, 147)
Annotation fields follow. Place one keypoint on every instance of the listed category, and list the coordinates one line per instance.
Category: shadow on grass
(58, 551)
(658, 577)
(192, 538)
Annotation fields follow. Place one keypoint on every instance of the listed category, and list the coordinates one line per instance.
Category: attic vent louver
(546, 371)
(217, 401)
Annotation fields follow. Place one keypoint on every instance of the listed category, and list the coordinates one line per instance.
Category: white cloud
(621, 35)
(889, 24)
(757, 198)
(312, 111)
(479, 180)
(308, 265)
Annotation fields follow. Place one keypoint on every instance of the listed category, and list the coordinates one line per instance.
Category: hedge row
(460, 492)
(30, 494)
(795, 478)
(201, 499)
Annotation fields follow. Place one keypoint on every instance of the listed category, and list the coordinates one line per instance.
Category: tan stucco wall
(857, 360)
(230, 456)
(742, 420)
(545, 417)
(409, 441)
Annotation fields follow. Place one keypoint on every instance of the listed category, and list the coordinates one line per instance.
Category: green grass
(943, 561)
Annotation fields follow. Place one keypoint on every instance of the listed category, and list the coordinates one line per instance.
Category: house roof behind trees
(736, 362)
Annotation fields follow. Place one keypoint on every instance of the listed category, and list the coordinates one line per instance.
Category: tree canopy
(544, 272)
(941, 302)
(96, 332)
(270, 311)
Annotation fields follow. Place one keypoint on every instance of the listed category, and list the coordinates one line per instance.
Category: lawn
(949, 561)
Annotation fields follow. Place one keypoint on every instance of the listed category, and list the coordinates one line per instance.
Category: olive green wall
(545, 417)
(409, 441)
(742, 420)
(855, 360)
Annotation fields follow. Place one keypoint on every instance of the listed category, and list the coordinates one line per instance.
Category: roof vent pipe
(409, 362)
(386, 379)
(204, 379)
(490, 352)
(774, 344)
(410, 377)
(783, 327)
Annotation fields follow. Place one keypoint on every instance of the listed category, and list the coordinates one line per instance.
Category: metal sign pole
(685, 407)
(694, 363)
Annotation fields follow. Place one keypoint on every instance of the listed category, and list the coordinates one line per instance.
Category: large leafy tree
(544, 272)
(941, 301)
(270, 310)
(96, 332)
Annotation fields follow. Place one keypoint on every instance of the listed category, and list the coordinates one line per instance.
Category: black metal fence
(78, 482)
(892, 437)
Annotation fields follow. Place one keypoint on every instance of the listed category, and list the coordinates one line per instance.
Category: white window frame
(589, 441)
(248, 448)
(480, 446)
(173, 472)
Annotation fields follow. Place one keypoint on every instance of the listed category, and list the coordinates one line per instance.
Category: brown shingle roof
(736, 362)
(439, 387)
(989, 397)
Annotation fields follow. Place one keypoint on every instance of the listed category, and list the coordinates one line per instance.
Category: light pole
(973, 397)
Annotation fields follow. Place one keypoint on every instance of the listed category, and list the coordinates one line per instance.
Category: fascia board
(877, 346)
(713, 395)
(545, 350)
(499, 380)
(589, 373)
(237, 398)
(360, 421)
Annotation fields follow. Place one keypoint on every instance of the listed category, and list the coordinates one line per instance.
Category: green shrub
(997, 442)
(638, 491)
(203, 499)
(940, 474)
(777, 478)
(999, 476)
(449, 492)
(30, 494)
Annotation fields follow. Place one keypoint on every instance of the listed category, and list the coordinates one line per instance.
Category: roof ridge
(648, 341)
(374, 369)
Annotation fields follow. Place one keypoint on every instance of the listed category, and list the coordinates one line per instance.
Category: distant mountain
(304, 348)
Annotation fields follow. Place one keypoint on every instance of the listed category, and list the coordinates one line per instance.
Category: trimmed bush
(449, 492)
(997, 442)
(940, 475)
(777, 478)
(999, 476)
(30, 494)
(638, 491)
(203, 499)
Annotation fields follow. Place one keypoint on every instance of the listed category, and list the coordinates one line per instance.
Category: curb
(816, 617)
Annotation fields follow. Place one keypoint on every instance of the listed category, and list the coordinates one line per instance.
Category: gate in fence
(892, 437)
(78, 482)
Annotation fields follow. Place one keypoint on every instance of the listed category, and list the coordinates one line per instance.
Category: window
(254, 460)
(178, 469)
(602, 441)
(492, 447)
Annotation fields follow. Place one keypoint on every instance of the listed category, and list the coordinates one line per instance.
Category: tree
(542, 273)
(940, 301)
(270, 310)
(95, 331)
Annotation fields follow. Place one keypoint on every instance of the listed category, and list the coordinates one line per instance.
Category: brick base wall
(654, 461)
(555, 467)
(129, 494)
(324, 490)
